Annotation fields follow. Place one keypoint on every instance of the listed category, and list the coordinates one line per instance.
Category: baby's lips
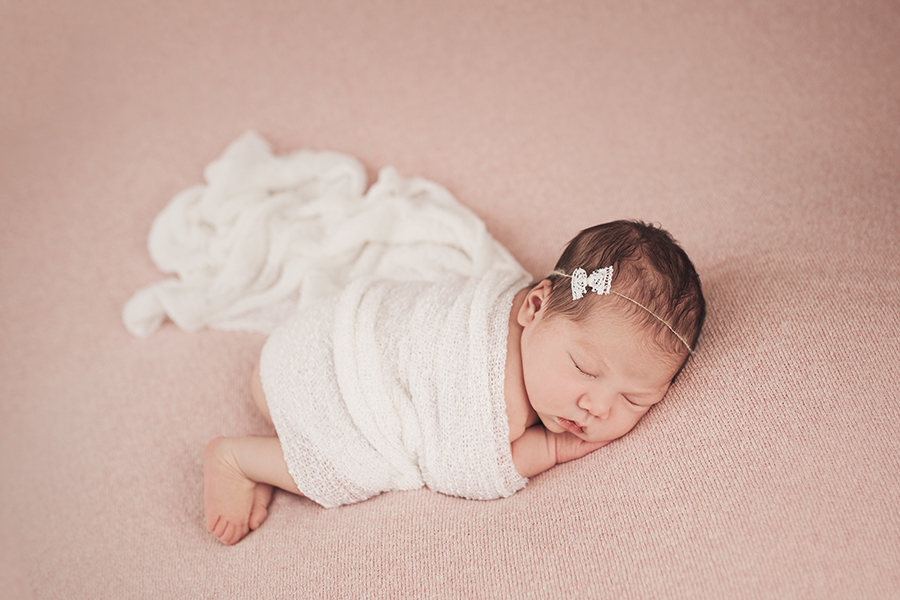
(571, 426)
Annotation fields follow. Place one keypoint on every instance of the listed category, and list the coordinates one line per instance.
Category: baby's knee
(259, 396)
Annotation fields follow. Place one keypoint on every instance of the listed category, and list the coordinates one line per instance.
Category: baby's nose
(597, 404)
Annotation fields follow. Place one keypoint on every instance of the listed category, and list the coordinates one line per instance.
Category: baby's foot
(234, 503)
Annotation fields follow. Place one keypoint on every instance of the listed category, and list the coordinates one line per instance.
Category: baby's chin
(596, 438)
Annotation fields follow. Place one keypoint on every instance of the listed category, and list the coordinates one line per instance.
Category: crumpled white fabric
(268, 234)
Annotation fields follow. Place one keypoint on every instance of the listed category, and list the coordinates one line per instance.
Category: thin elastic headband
(601, 282)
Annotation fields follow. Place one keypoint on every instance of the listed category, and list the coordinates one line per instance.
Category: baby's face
(596, 378)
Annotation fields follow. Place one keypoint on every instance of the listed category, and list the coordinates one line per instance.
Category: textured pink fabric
(764, 135)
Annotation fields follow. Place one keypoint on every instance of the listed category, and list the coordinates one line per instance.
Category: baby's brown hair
(649, 268)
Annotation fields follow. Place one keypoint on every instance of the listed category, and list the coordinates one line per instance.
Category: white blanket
(389, 374)
(268, 234)
(394, 385)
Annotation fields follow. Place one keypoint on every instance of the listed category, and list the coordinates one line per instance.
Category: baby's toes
(256, 519)
(230, 536)
(238, 532)
(258, 515)
(212, 522)
(262, 496)
(220, 528)
(223, 532)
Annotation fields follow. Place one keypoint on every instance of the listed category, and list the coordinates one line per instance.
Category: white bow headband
(600, 282)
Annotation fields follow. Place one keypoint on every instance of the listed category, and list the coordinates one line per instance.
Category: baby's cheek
(627, 423)
(616, 427)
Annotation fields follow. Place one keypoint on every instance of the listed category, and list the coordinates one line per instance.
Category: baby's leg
(238, 477)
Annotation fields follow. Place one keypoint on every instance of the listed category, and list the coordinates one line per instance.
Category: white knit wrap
(373, 384)
(394, 385)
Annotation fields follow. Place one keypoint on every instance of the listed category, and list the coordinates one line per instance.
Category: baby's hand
(538, 449)
(569, 447)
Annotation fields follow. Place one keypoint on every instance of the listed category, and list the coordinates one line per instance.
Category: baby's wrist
(554, 447)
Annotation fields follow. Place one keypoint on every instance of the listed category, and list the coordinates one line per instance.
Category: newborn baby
(468, 386)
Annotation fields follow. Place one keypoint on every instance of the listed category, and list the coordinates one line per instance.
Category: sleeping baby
(468, 386)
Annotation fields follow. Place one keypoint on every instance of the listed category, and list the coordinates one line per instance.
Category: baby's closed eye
(580, 370)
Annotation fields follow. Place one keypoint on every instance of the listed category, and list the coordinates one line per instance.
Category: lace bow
(599, 281)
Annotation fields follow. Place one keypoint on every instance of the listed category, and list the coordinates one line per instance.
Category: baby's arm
(538, 449)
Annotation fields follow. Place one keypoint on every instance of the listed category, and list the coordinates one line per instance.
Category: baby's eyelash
(633, 403)
(582, 371)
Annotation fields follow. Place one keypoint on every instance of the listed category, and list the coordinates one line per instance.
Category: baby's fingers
(587, 447)
(569, 447)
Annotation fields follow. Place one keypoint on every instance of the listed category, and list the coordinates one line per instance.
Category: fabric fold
(268, 234)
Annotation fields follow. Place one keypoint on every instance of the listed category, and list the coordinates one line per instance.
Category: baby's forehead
(610, 311)
(604, 335)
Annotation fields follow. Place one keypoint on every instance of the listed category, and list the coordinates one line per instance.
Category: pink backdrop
(764, 135)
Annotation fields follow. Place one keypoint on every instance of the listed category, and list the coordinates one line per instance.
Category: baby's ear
(534, 302)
